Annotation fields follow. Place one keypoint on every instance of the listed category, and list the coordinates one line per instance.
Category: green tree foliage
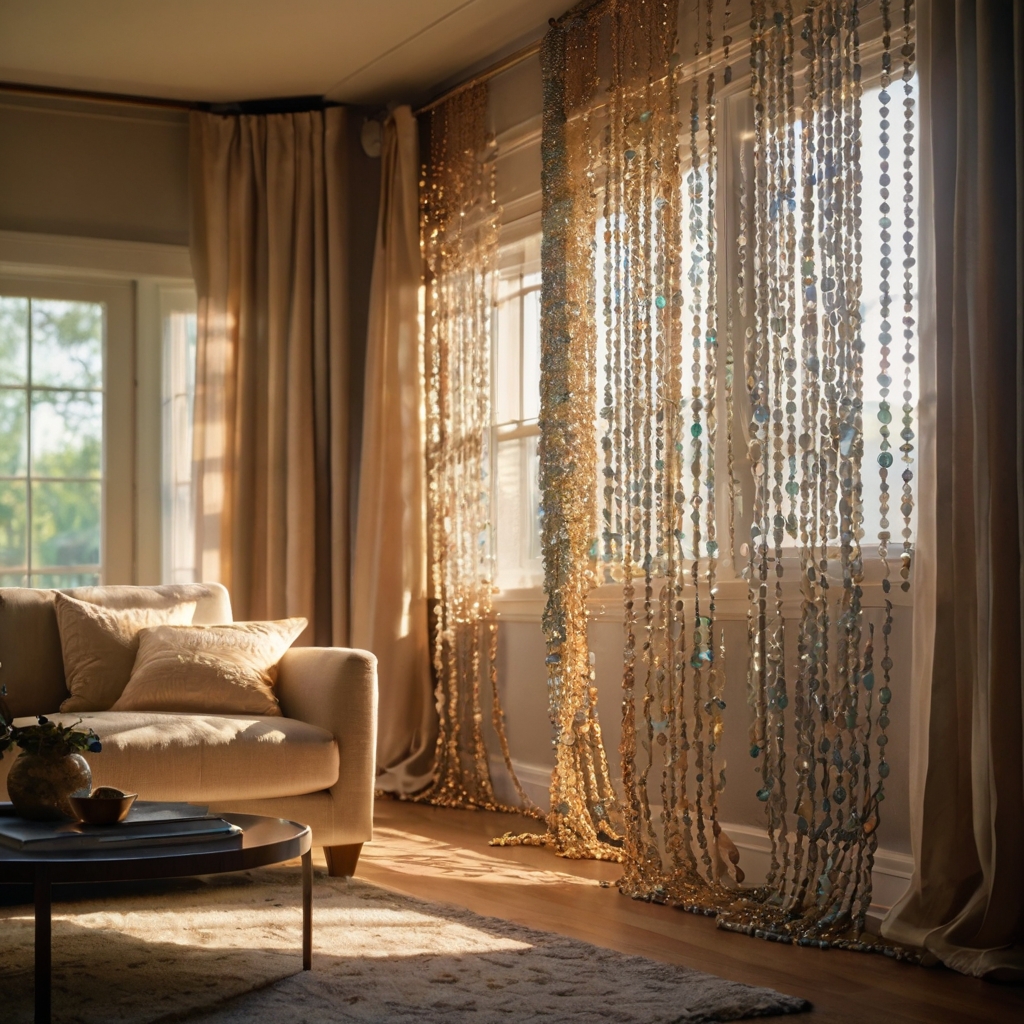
(67, 339)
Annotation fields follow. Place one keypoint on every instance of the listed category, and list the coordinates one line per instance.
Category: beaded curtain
(820, 729)
(642, 344)
(459, 229)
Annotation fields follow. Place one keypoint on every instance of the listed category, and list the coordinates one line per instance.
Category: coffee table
(264, 841)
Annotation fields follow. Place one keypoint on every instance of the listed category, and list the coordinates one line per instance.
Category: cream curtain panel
(389, 580)
(271, 410)
(966, 900)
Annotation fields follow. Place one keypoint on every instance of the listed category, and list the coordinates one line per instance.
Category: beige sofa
(315, 765)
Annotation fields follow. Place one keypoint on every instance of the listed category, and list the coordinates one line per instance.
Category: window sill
(604, 603)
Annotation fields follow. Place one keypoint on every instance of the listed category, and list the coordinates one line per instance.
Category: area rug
(227, 949)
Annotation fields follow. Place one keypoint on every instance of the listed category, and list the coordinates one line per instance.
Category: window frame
(117, 540)
(177, 560)
(138, 271)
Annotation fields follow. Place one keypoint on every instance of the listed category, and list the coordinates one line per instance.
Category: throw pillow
(99, 646)
(211, 669)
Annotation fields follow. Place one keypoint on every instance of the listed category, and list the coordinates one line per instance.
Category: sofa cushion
(202, 758)
(209, 669)
(99, 646)
(31, 666)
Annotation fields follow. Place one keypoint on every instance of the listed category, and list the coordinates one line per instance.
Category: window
(516, 406)
(903, 376)
(51, 441)
(516, 367)
(179, 385)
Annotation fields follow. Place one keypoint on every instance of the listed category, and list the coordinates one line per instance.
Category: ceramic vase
(39, 786)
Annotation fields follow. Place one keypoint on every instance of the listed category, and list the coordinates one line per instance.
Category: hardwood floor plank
(444, 856)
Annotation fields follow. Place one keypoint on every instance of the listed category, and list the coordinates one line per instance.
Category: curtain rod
(125, 99)
(285, 105)
(482, 76)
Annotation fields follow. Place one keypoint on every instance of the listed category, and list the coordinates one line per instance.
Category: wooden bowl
(103, 810)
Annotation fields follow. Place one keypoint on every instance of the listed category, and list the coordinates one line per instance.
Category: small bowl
(103, 810)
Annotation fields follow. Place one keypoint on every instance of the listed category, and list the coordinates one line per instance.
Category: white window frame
(117, 470)
(128, 276)
(177, 395)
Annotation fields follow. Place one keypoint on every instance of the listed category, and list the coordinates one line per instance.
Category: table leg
(42, 985)
(307, 910)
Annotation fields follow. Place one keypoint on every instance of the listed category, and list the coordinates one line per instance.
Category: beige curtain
(966, 900)
(389, 579)
(271, 413)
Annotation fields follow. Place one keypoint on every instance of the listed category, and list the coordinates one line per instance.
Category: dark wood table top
(264, 841)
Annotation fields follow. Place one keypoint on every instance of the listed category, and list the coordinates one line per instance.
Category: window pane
(531, 355)
(65, 524)
(67, 433)
(871, 311)
(181, 425)
(509, 513)
(506, 362)
(13, 452)
(67, 343)
(532, 488)
(65, 580)
(15, 579)
(13, 524)
(182, 536)
(13, 340)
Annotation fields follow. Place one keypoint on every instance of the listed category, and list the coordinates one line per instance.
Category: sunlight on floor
(411, 854)
(346, 927)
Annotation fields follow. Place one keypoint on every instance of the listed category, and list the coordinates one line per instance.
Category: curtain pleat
(966, 900)
(389, 579)
(271, 412)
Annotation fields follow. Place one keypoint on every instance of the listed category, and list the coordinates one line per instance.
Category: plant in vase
(50, 767)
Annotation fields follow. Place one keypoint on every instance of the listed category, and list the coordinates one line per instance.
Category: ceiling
(351, 51)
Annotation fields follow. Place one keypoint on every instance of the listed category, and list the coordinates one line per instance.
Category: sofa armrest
(336, 689)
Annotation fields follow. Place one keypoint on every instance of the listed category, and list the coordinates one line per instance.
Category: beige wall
(93, 169)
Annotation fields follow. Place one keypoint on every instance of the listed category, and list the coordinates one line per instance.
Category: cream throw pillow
(99, 646)
(211, 669)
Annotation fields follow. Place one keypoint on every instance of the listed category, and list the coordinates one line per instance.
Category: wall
(93, 169)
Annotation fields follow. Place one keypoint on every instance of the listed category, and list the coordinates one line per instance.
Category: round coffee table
(264, 841)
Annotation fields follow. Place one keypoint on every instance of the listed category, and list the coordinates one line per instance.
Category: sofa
(314, 765)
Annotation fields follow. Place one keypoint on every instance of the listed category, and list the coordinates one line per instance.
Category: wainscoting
(890, 876)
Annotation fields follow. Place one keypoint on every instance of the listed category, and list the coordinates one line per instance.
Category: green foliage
(66, 432)
(45, 738)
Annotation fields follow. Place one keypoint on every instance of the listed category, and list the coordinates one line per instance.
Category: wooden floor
(444, 856)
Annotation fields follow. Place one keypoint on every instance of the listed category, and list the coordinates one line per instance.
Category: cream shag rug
(227, 949)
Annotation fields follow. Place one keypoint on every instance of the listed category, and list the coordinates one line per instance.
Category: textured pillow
(212, 669)
(99, 646)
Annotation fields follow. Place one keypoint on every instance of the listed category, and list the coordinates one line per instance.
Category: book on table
(149, 823)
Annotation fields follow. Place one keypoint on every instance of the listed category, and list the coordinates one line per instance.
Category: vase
(39, 786)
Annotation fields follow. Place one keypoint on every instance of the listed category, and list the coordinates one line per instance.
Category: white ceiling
(354, 51)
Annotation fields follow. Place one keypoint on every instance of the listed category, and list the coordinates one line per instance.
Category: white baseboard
(889, 877)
